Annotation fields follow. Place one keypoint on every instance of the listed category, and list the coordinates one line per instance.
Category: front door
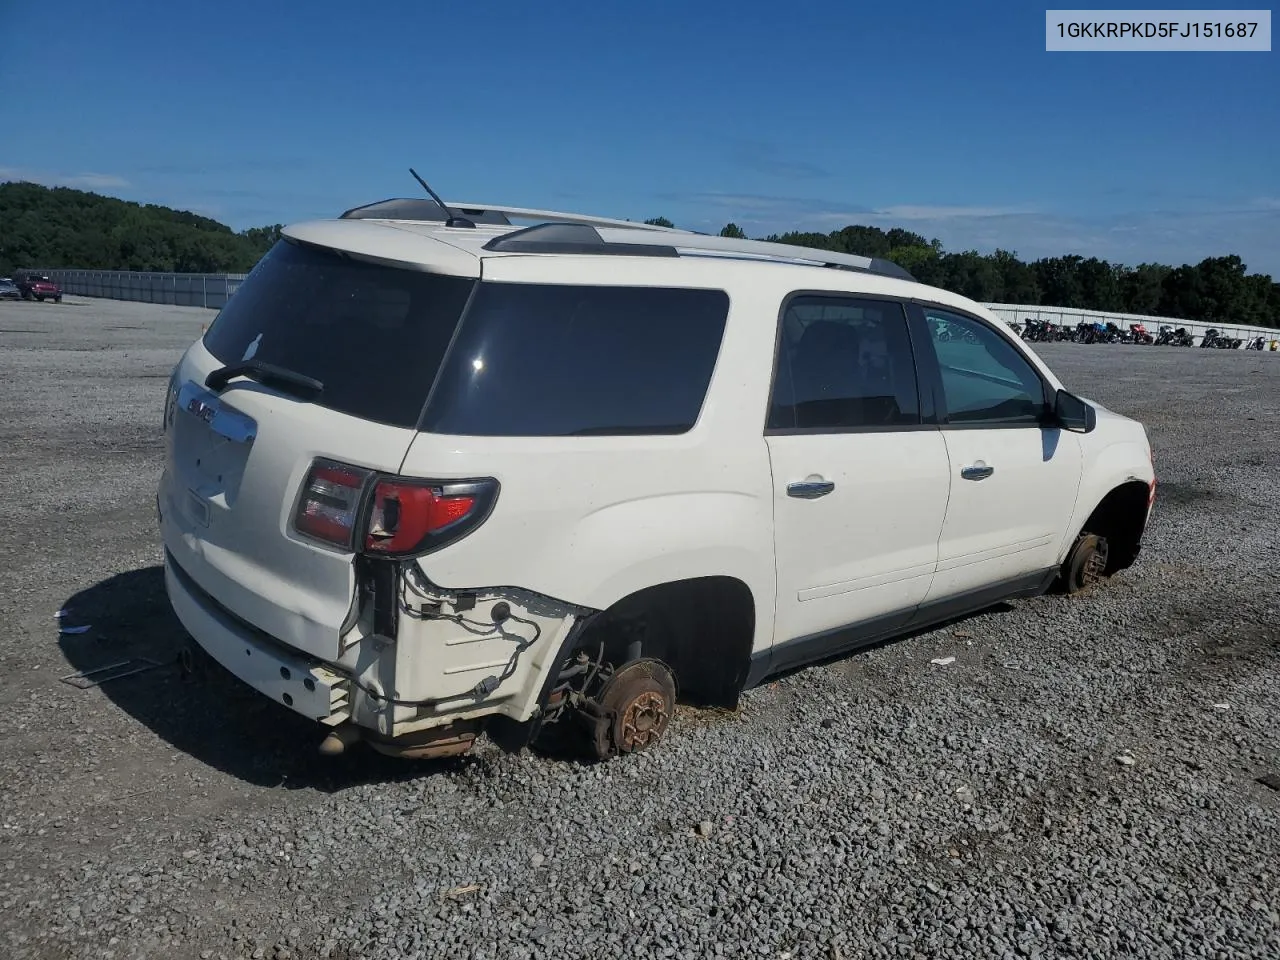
(860, 483)
(1014, 475)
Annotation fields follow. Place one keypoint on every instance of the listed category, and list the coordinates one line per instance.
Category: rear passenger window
(539, 360)
(843, 363)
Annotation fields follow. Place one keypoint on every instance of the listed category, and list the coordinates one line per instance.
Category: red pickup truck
(37, 286)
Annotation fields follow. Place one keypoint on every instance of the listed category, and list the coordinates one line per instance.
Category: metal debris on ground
(86, 679)
(1222, 706)
(943, 661)
(1125, 760)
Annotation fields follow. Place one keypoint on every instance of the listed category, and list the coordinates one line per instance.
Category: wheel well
(702, 628)
(1121, 518)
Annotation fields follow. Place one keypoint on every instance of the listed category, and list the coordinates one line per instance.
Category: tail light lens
(329, 507)
(356, 509)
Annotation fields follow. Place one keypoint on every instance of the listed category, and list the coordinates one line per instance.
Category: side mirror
(1074, 414)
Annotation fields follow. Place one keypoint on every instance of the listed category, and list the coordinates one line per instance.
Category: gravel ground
(1081, 782)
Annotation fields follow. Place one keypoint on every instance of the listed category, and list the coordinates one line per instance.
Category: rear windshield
(545, 360)
(374, 336)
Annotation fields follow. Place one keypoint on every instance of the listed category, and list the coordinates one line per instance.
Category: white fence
(1071, 316)
(213, 290)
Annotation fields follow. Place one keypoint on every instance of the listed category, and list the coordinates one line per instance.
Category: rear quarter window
(563, 360)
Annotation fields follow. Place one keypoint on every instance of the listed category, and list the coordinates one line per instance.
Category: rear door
(1014, 476)
(860, 475)
(373, 336)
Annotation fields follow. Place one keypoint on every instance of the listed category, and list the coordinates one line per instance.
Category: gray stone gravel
(1079, 782)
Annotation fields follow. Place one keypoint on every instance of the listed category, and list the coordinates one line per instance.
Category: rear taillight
(329, 507)
(356, 509)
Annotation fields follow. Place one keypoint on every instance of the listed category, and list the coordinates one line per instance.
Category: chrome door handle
(810, 489)
(977, 471)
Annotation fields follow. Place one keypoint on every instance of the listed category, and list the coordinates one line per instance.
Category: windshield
(373, 335)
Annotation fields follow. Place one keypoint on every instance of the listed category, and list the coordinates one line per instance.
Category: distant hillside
(59, 227)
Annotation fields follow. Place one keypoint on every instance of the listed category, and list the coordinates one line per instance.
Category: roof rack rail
(640, 239)
(581, 238)
(558, 216)
(418, 208)
(572, 238)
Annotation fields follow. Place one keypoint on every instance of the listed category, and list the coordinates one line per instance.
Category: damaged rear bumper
(303, 684)
(446, 661)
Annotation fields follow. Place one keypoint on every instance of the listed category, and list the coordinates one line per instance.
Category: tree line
(1216, 290)
(55, 227)
(51, 227)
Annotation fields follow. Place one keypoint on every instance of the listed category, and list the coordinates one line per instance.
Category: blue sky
(948, 119)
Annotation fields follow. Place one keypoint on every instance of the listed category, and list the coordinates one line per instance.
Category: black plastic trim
(572, 238)
(570, 248)
(802, 651)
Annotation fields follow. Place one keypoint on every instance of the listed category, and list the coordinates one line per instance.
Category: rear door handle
(977, 471)
(810, 489)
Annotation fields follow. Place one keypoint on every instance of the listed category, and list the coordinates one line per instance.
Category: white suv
(430, 474)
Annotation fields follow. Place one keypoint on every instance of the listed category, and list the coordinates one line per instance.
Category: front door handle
(810, 488)
(977, 471)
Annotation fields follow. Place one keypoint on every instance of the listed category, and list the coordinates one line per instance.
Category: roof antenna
(449, 219)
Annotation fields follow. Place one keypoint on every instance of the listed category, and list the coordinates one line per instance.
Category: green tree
(1059, 281)
(660, 222)
(1099, 285)
(1017, 279)
(1140, 288)
(734, 231)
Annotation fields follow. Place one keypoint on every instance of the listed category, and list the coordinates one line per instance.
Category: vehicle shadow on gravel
(209, 714)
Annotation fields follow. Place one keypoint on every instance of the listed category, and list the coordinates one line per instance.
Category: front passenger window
(985, 380)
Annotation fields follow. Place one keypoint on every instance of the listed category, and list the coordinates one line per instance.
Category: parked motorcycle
(1172, 337)
(1257, 343)
(1215, 338)
(1138, 334)
(1039, 331)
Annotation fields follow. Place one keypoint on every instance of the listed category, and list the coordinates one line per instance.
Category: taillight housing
(356, 509)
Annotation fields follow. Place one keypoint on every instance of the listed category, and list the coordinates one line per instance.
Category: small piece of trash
(65, 611)
(462, 891)
(962, 635)
(81, 629)
(943, 661)
(1222, 706)
(1125, 760)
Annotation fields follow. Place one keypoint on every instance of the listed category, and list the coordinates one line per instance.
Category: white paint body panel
(1010, 524)
(870, 547)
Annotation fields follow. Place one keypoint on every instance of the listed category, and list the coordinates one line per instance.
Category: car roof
(415, 233)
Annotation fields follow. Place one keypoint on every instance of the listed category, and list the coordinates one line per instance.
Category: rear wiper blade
(267, 374)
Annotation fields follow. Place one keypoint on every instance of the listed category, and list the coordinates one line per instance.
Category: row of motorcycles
(1042, 331)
